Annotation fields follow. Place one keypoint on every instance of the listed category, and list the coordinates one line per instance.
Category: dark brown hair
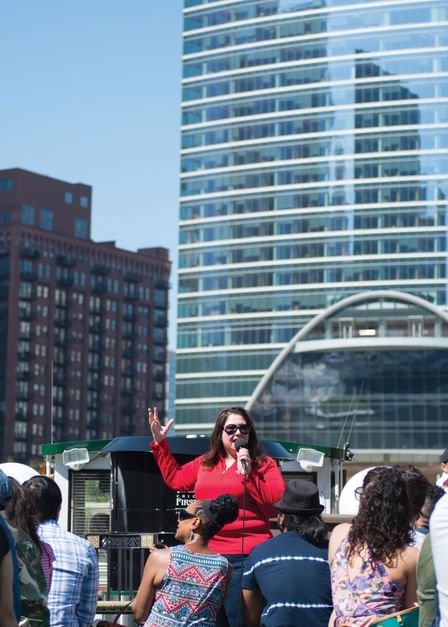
(46, 495)
(211, 458)
(21, 511)
(382, 526)
(416, 487)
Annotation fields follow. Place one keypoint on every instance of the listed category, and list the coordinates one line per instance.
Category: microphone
(245, 464)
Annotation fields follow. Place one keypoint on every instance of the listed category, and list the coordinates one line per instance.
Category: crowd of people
(48, 576)
(364, 570)
(228, 570)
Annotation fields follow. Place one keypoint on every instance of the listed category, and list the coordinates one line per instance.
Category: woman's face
(231, 433)
(185, 522)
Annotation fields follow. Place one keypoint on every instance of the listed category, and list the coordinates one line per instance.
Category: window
(20, 429)
(6, 218)
(42, 291)
(20, 448)
(160, 298)
(27, 214)
(84, 202)
(5, 185)
(46, 219)
(60, 297)
(68, 198)
(26, 266)
(81, 228)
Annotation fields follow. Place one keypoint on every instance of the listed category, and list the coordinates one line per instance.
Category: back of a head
(416, 487)
(219, 512)
(21, 510)
(46, 496)
(383, 521)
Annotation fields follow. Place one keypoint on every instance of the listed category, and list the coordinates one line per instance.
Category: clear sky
(91, 93)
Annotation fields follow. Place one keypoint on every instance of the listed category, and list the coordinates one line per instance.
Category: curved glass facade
(314, 398)
(374, 373)
(314, 165)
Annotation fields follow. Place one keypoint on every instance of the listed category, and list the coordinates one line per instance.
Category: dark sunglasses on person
(183, 514)
(232, 429)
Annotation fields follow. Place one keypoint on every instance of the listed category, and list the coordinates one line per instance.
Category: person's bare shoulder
(338, 533)
(160, 556)
(410, 556)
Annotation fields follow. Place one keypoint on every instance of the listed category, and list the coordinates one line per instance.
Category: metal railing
(121, 560)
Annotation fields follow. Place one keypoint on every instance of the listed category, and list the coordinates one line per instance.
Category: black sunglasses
(183, 514)
(232, 429)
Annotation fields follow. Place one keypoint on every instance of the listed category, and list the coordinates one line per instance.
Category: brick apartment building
(83, 324)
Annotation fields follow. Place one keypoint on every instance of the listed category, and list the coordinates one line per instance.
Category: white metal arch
(355, 299)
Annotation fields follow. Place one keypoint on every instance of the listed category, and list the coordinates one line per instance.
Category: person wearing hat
(442, 481)
(286, 580)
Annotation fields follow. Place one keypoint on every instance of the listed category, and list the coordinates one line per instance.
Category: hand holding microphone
(242, 457)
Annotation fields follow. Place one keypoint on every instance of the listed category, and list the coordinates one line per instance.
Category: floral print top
(366, 596)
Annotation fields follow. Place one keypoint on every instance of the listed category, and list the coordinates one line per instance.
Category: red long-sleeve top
(264, 486)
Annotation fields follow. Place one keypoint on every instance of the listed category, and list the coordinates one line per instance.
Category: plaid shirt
(74, 588)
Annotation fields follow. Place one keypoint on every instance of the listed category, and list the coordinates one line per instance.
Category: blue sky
(91, 93)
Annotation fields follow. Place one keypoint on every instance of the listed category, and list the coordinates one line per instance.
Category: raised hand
(159, 433)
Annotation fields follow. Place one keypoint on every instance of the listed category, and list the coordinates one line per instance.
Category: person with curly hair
(233, 464)
(373, 561)
(186, 584)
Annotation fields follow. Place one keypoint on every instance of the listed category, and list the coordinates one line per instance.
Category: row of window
(46, 221)
(360, 168)
(378, 17)
(263, 8)
(326, 245)
(242, 11)
(350, 323)
(79, 279)
(376, 117)
(328, 248)
(392, 192)
(320, 249)
(414, 89)
(425, 139)
(83, 200)
(403, 64)
(100, 262)
(211, 387)
(254, 360)
(413, 38)
(293, 300)
(330, 273)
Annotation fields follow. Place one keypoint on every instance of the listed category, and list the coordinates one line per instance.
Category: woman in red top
(249, 475)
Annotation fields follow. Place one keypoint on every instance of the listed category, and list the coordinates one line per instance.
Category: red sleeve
(266, 484)
(176, 477)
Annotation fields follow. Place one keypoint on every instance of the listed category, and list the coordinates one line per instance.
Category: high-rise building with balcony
(314, 168)
(83, 324)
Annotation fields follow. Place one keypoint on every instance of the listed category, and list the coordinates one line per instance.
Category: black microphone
(239, 444)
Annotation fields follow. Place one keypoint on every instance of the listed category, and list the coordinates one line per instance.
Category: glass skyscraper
(314, 167)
